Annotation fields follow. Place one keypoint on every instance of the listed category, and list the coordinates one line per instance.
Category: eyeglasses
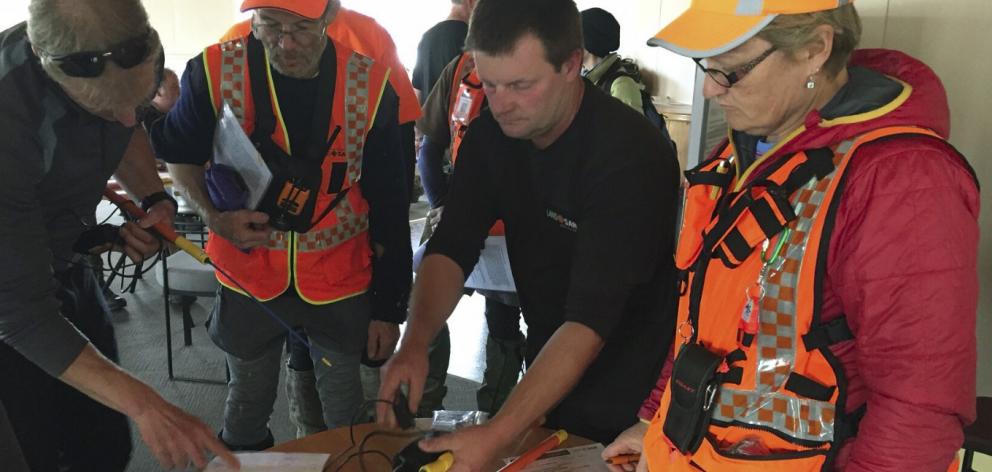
(303, 35)
(728, 79)
(90, 64)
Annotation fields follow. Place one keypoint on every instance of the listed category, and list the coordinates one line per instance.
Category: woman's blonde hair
(789, 33)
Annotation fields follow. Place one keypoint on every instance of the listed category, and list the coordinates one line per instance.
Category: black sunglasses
(90, 64)
(728, 79)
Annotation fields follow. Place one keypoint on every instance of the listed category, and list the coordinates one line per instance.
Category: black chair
(978, 435)
(185, 278)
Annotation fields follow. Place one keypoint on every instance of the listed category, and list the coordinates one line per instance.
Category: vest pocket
(710, 458)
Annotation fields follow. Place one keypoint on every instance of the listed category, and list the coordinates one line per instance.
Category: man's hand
(139, 242)
(434, 217)
(243, 228)
(176, 438)
(408, 366)
(631, 441)
(474, 447)
(383, 336)
(173, 436)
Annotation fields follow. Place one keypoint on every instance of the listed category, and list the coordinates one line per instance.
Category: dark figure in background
(439, 45)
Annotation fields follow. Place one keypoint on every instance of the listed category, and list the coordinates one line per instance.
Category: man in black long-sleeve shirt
(345, 298)
(71, 80)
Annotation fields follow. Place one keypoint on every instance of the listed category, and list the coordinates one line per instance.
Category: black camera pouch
(694, 387)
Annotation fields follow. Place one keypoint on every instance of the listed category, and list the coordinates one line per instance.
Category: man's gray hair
(67, 26)
(57, 27)
(457, 2)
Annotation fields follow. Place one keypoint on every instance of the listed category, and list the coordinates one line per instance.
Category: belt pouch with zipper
(695, 384)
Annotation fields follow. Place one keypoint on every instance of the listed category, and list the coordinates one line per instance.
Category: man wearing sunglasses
(71, 82)
(325, 117)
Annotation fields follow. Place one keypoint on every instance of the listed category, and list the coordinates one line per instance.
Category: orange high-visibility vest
(781, 386)
(464, 106)
(465, 101)
(333, 260)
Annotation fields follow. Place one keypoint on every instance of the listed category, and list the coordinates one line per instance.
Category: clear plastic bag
(449, 420)
(748, 446)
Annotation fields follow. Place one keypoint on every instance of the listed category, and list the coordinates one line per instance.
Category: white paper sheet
(492, 272)
(233, 149)
(574, 459)
(273, 461)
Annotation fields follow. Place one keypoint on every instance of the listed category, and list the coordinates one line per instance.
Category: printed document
(492, 272)
(273, 461)
(233, 149)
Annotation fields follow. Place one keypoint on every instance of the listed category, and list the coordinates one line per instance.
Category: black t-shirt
(296, 104)
(438, 46)
(590, 231)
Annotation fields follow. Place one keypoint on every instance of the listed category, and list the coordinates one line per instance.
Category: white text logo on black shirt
(566, 223)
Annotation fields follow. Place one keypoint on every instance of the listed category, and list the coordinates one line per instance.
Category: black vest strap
(809, 388)
(717, 179)
(819, 164)
(736, 355)
(849, 425)
(265, 120)
(827, 334)
(734, 376)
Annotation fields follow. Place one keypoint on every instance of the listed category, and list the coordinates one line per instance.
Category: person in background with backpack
(601, 64)
(618, 77)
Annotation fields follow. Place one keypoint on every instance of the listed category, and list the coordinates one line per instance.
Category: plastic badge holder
(448, 420)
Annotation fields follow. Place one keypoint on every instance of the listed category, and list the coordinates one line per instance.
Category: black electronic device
(96, 237)
(411, 458)
(401, 409)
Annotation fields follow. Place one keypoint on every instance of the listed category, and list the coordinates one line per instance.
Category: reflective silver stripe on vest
(777, 339)
(356, 117)
(356, 112)
(327, 238)
(233, 63)
(278, 240)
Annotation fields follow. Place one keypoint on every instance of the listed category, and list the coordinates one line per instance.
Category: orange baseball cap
(711, 27)
(305, 8)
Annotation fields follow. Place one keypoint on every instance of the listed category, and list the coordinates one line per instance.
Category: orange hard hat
(306, 8)
(711, 27)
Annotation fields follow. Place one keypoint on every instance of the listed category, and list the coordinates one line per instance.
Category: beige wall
(187, 26)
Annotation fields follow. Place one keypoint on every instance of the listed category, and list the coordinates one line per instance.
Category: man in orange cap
(366, 36)
(829, 253)
(329, 248)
